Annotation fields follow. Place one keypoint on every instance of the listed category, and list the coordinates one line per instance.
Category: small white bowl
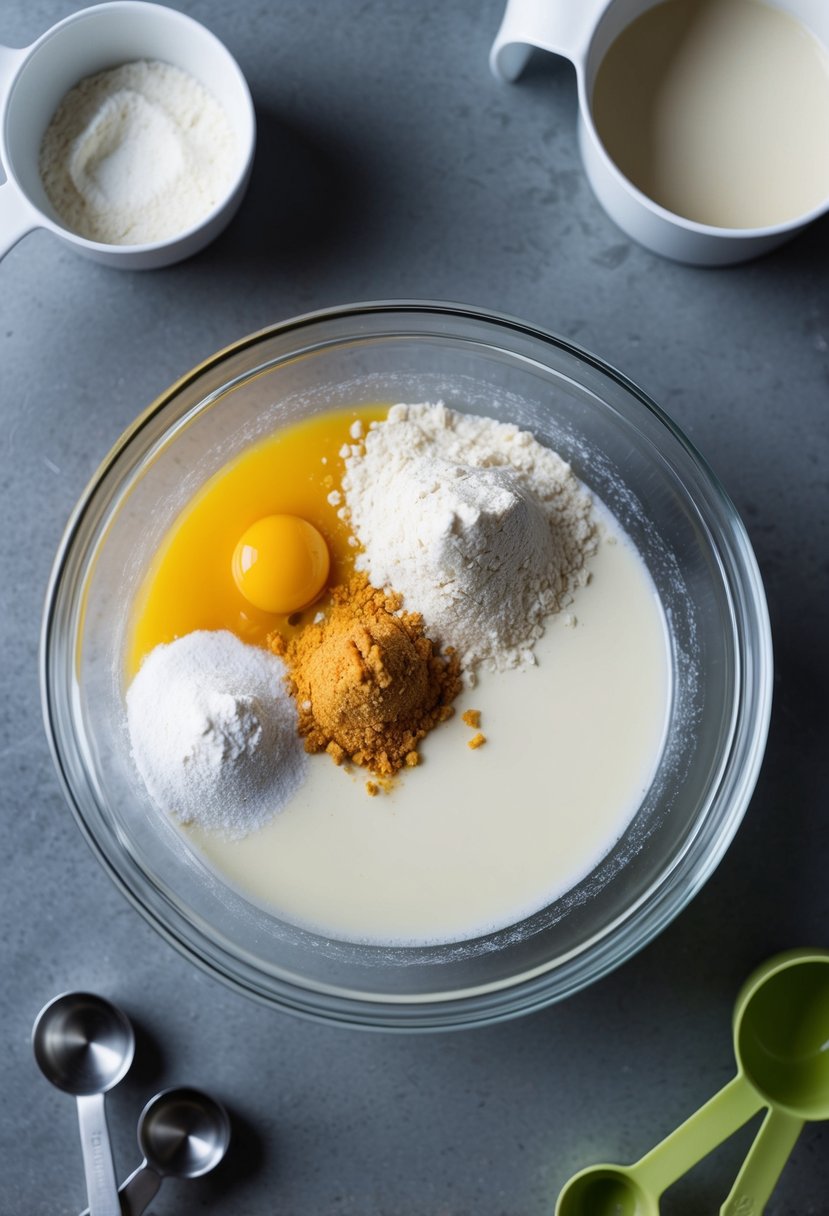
(34, 80)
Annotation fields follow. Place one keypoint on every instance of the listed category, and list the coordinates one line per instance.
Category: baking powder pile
(137, 154)
(476, 524)
(214, 732)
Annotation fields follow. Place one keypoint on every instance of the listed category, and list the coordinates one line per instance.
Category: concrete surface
(391, 164)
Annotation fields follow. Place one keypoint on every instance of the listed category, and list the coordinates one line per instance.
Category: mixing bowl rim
(639, 924)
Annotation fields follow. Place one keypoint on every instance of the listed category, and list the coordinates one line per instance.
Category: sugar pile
(476, 524)
(214, 732)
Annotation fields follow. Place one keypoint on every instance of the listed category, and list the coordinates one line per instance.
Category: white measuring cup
(34, 79)
(583, 31)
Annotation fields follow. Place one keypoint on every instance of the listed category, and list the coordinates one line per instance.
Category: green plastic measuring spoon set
(781, 1042)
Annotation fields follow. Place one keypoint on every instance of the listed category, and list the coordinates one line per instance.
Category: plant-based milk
(474, 840)
(718, 110)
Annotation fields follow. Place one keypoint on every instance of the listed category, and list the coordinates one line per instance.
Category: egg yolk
(281, 563)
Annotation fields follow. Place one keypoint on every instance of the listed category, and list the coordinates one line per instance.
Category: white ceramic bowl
(34, 80)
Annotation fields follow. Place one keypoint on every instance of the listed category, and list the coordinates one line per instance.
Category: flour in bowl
(476, 524)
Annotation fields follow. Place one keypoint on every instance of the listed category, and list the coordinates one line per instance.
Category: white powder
(214, 732)
(137, 154)
(477, 525)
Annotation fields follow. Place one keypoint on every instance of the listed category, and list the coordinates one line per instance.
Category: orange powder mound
(368, 683)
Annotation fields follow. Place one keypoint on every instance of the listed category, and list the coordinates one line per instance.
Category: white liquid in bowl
(474, 840)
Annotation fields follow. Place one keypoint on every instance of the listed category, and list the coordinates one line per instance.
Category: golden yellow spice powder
(472, 719)
(368, 683)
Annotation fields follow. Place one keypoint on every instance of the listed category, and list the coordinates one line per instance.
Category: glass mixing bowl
(625, 449)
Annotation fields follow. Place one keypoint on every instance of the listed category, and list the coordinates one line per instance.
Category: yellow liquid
(190, 584)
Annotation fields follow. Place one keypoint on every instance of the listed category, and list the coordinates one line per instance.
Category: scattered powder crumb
(472, 717)
(356, 431)
(374, 682)
(477, 741)
(335, 498)
(372, 789)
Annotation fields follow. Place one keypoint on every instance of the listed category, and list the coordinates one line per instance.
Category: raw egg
(281, 563)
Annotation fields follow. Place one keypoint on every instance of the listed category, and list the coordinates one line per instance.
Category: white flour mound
(476, 524)
(136, 154)
(214, 732)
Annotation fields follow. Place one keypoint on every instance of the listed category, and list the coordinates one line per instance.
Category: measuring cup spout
(550, 25)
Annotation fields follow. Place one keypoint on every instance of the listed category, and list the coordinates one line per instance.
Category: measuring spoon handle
(137, 1191)
(699, 1135)
(101, 1187)
(763, 1165)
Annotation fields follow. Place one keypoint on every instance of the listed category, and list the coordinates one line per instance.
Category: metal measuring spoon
(183, 1133)
(84, 1046)
(781, 1027)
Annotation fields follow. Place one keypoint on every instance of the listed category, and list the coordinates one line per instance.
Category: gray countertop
(391, 164)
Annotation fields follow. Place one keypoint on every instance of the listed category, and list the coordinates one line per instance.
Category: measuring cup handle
(763, 1165)
(699, 1135)
(10, 58)
(16, 217)
(561, 26)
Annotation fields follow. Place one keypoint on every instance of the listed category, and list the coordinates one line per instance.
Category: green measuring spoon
(781, 1043)
(784, 1044)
